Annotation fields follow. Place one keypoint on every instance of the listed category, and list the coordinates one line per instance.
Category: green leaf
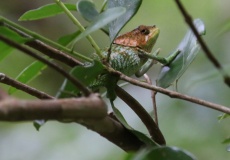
(223, 116)
(144, 138)
(89, 12)
(67, 39)
(162, 153)
(102, 20)
(87, 9)
(45, 12)
(189, 48)
(226, 141)
(6, 49)
(85, 74)
(28, 74)
(224, 28)
(38, 123)
(131, 9)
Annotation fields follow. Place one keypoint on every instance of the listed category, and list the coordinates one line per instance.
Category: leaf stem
(44, 39)
(81, 28)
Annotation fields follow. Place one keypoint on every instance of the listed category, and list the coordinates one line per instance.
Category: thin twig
(153, 96)
(22, 48)
(173, 94)
(54, 53)
(21, 86)
(205, 48)
(153, 129)
(47, 49)
(36, 36)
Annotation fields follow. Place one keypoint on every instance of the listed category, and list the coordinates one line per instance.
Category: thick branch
(21, 86)
(173, 94)
(56, 109)
(90, 112)
(53, 65)
(205, 48)
(152, 127)
(115, 132)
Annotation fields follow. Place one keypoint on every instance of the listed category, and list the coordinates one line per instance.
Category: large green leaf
(28, 74)
(161, 153)
(85, 75)
(131, 9)
(6, 49)
(102, 20)
(46, 11)
(144, 138)
(189, 48)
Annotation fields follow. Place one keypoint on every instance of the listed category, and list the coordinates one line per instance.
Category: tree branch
(22, 48)
(21, 30)
(153, 96)
(3, 95)
(205, 48)
(172, 94)
(48, 50)
(152, 127)
(21, 86)
(89, 111)
(55, 109)
(115, 132)
(54, 53)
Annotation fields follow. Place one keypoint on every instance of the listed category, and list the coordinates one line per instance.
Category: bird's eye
(145, 31)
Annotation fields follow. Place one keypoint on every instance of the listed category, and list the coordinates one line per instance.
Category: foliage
(110, 21)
